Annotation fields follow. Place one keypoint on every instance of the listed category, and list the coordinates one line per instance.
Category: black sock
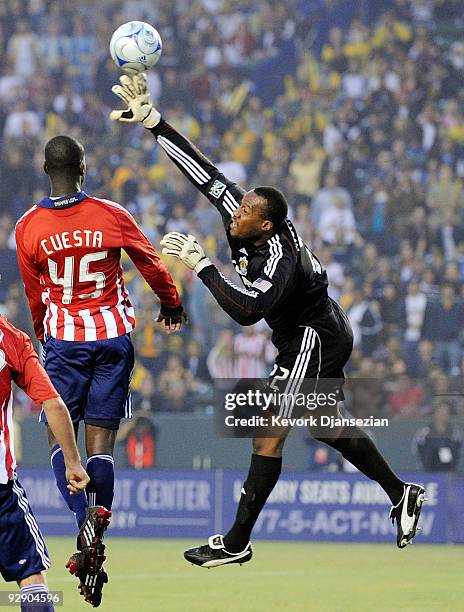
(262, 477)
(358, 448)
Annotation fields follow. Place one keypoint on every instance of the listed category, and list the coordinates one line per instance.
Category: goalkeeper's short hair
(276, 205)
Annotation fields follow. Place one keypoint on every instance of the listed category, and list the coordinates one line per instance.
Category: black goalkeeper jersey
(284, 282)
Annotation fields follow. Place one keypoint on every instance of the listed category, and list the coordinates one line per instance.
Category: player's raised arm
(245, 306)
(223, 193)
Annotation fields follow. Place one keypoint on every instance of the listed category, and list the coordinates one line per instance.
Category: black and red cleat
(86, 564)
(90, 585)
(93, 528)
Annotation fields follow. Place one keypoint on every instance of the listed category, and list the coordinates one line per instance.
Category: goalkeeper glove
(187, 249)
(133, 90)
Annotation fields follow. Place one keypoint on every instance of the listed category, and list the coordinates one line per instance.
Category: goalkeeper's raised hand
(133, 91)
(187, 249)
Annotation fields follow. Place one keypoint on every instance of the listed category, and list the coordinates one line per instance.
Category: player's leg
(235, 546)
(263, 474)
(23, 554)
(266, 460)
(87, 563)
(300, 358)
(358, 448)
(70, 370)
(76, 503)
(100, 464)
(35, 587)
(108, 401)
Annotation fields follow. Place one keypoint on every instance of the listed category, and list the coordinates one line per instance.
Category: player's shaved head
(276, 205)
(63, 154)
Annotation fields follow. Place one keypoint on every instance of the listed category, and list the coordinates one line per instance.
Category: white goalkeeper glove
(133, 90)
(187, 249)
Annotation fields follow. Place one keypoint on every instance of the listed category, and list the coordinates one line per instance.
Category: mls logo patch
(217, 189)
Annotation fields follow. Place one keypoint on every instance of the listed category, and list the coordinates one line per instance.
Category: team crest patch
(217, 189)
(243, 266)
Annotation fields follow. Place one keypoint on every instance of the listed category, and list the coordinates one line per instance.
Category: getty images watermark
(253, 408)
(279, 409)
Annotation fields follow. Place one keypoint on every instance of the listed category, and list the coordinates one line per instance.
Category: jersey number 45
(84, 276)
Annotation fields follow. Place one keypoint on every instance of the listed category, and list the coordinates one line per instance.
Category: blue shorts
(22, 549)
(92, 378)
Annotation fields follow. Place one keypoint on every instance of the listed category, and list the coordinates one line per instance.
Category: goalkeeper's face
(249, 220)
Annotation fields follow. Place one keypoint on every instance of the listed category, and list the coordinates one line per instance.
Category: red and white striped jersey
(69, 252)
(19, 363)
(253, 352)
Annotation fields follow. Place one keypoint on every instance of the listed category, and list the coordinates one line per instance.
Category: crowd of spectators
(361, 125)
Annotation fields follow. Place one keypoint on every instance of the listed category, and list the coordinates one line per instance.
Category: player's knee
(269, 447)
(33, 579)
(99, 440)
(324, 433)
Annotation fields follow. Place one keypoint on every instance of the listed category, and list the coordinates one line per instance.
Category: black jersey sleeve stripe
(278, 246)
(227, 205)
(182, 154)
(275, 249)
(272, 255)
(224, 194)
(231, 201)
(189, 165)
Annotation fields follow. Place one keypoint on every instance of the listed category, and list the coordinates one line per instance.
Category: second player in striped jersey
(23, 554)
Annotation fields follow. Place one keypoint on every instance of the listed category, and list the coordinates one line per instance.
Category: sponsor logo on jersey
(217, 189)
(64, 202)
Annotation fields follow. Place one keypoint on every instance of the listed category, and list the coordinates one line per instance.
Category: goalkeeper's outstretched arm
(245, 306)
(223, 193)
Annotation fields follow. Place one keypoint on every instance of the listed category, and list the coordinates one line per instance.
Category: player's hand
(187, 249)
(77, 478)
(172, 321)
(133, 90)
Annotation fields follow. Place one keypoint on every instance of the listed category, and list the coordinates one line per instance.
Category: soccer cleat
(87, 563)
(92, 529)
(407, 512)
(90, 585)
(214, 553)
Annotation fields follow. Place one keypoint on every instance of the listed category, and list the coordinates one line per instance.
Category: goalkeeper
(285, 284)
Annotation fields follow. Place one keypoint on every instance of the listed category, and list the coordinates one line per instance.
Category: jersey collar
(64, 202)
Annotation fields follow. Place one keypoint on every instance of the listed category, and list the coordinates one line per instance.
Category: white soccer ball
(135, 47)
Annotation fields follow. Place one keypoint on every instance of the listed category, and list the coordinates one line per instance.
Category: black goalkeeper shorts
(311, 361)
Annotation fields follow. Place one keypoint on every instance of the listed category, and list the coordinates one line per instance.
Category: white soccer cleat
(407, 512)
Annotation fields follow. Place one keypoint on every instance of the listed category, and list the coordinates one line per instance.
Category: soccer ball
(135, 47)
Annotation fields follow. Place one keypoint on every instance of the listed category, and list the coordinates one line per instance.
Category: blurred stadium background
(356, 109)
